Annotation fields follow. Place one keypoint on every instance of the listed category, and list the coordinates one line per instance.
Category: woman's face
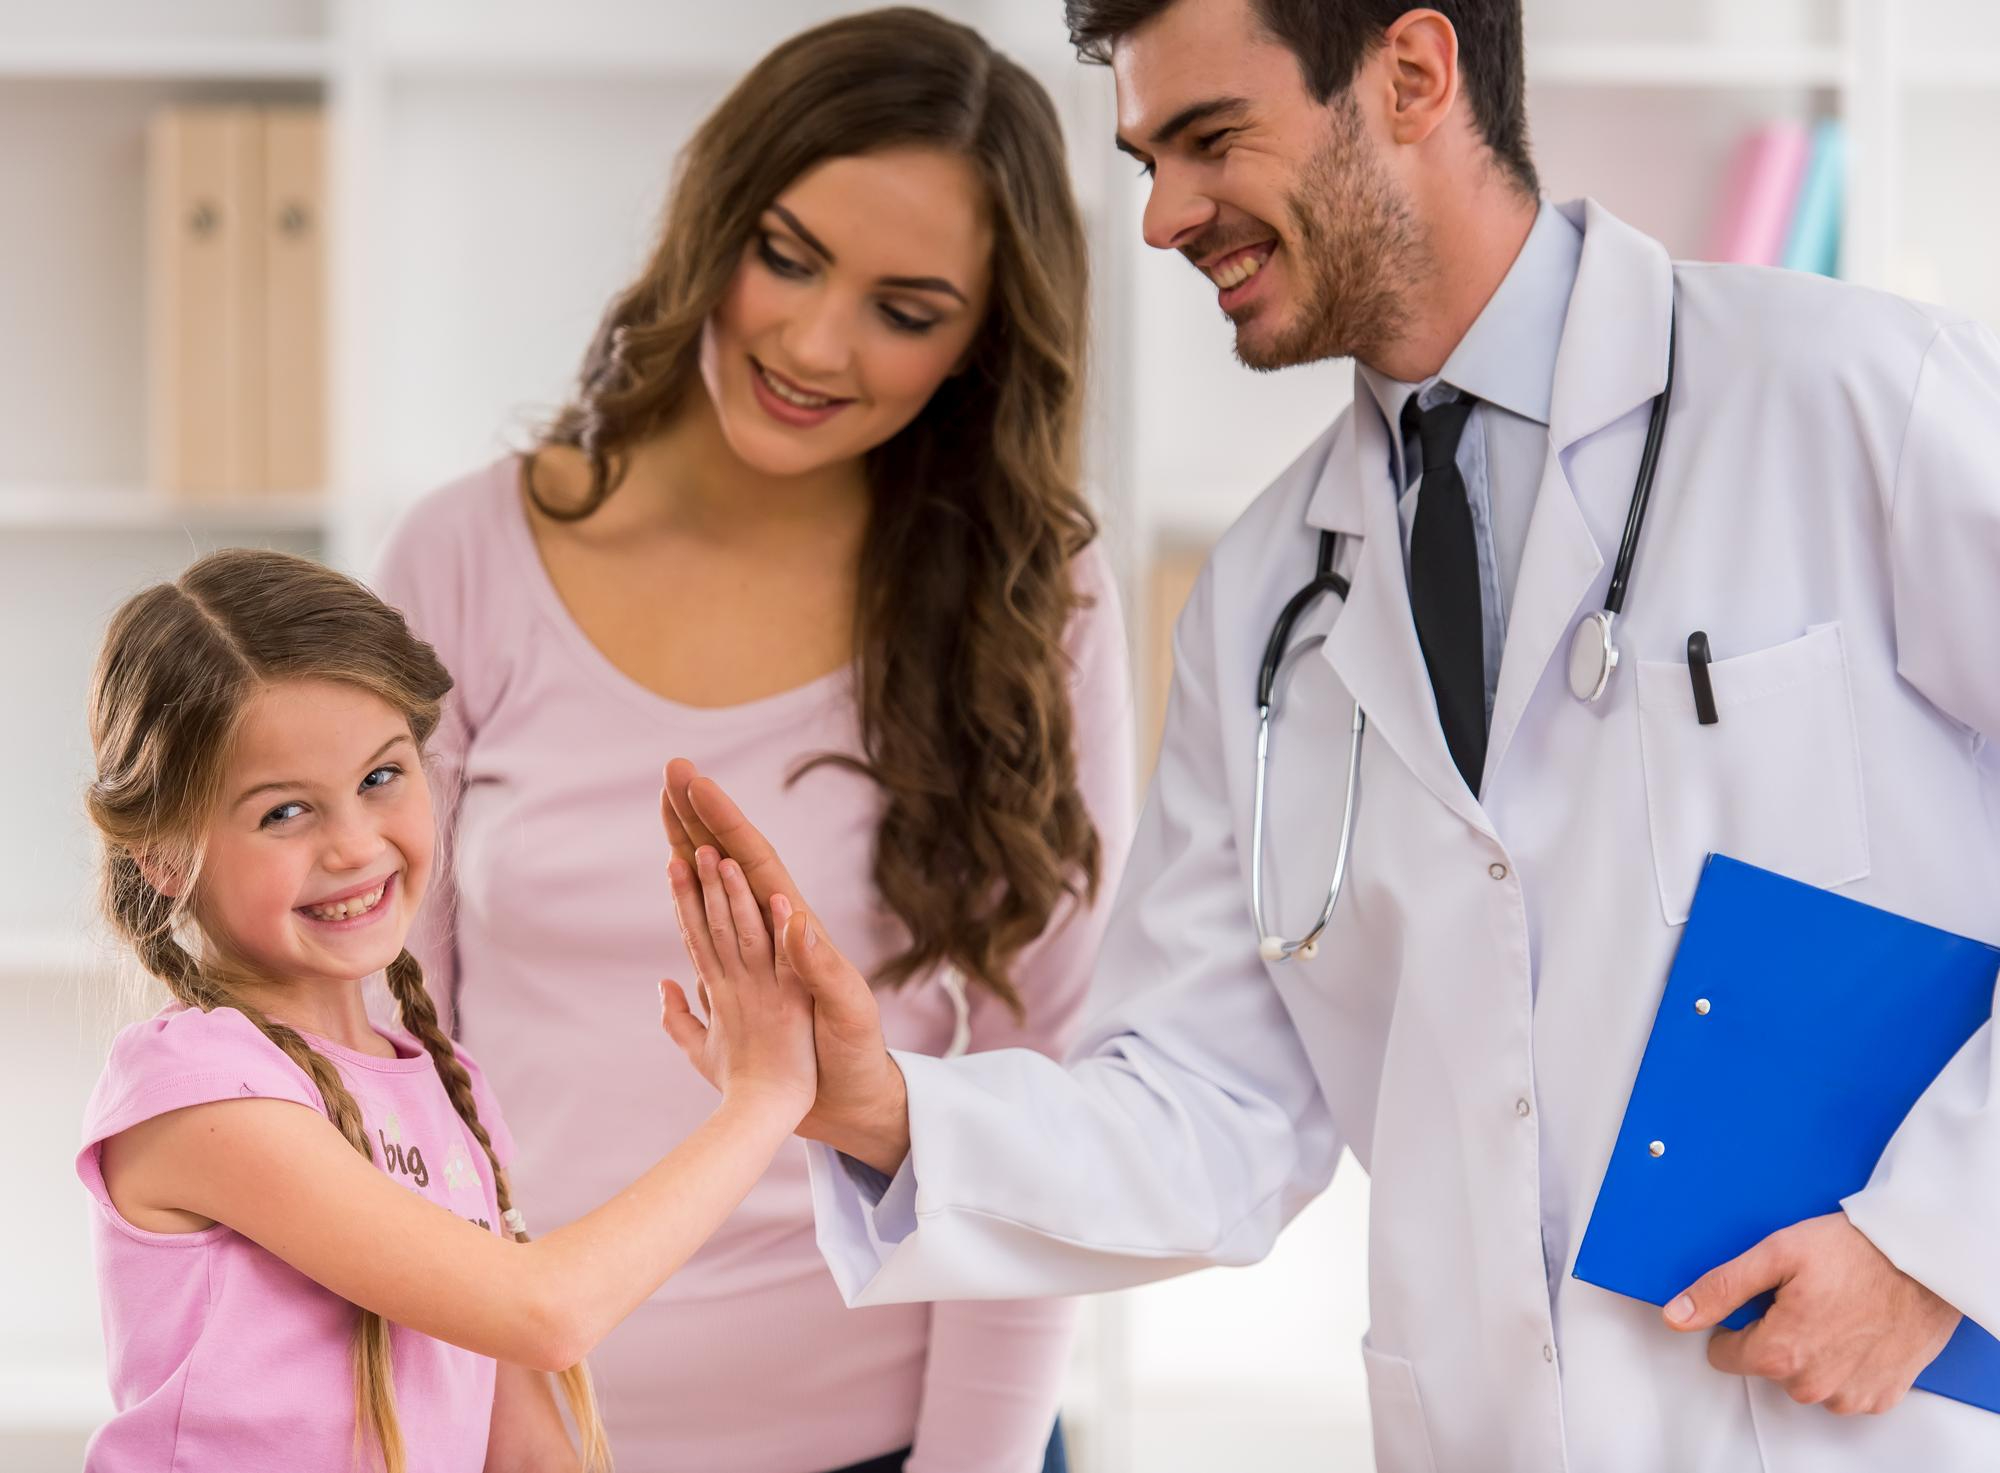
(860, 293)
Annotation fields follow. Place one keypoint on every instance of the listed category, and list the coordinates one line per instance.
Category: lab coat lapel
(1613, 361)
(1373, 644)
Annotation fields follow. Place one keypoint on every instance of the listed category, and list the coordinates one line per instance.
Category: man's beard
(1355, 248)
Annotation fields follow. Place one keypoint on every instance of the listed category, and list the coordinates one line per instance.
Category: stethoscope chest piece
(1592, 656)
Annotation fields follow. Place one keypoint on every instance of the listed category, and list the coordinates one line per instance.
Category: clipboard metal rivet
(1658, 1148)
(1701, 1006)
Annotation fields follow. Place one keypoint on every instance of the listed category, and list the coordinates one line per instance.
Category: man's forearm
(873, 1128)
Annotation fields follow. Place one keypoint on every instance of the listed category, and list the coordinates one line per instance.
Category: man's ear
(1422, 56)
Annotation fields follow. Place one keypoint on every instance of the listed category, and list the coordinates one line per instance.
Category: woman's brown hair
(977, 513)
(180, 664)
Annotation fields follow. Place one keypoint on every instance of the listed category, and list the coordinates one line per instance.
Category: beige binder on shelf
(1177, 563)
(206, 282)
(294, 300)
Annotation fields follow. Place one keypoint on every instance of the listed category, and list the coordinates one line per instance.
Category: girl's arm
(282, 1176)
(528, 1435)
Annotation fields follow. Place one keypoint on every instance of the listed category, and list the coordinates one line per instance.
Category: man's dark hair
(1331, 38)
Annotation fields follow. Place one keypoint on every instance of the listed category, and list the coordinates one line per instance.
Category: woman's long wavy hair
(181, 662)
(977, 512)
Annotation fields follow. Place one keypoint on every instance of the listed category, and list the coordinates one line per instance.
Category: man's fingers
(1720, 1292)
(680, 774)
(717, 814)
(677, 834)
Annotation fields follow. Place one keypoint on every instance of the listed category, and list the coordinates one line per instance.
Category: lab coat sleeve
(1186, 1127)
(994, 1369)
(1933, 1202)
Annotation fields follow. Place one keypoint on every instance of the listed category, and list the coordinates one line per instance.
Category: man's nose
(1175, 211)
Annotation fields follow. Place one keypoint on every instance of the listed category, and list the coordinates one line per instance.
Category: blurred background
(448, 194)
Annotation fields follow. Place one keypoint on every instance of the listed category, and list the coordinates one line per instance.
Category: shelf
(221, 61)
(71, 508)
(487, 61)
(1692, 65)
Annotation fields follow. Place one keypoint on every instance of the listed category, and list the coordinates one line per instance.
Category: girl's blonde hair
(181, 662)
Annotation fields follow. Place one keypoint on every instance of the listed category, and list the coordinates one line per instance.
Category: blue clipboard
(1827, 1019)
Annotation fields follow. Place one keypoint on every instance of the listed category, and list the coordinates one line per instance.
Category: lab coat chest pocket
(1775, 782)
(1396, 1414)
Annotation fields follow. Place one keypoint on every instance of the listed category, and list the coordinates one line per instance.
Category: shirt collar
(1508, 357)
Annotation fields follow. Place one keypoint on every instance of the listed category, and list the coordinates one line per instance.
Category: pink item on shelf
(1764, 179)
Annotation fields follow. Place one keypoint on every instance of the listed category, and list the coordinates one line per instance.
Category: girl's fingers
(752, 941)
(692, 916)
(715, 906)
(677, 834)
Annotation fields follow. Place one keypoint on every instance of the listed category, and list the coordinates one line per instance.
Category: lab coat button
(1549, 1354)
(1522, 1107)
(1497, 870)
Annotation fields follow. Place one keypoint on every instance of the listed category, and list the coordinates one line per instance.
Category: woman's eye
(779, 262)
(904, 322)
(381, 777)
(281, 814)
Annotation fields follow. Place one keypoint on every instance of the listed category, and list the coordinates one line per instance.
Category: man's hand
(1848, 1331)
(862, 1107)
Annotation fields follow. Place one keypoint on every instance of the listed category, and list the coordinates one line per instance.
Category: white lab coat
(1828, 510)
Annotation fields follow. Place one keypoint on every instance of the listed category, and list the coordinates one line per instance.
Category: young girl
(331, 1287)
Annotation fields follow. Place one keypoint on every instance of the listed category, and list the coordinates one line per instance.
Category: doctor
(1354, 179)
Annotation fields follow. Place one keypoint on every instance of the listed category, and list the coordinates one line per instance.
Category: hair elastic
(516, 1224)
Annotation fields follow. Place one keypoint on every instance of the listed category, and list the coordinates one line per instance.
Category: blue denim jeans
(1056, 1460)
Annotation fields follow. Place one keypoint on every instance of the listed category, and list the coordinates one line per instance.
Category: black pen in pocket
(1704, 692)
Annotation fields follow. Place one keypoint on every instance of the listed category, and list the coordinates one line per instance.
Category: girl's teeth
(342, 910)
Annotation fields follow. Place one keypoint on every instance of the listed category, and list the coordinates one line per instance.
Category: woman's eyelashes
(790, 268)
(284, 813)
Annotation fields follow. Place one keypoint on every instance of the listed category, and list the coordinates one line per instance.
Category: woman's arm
(527, 1434)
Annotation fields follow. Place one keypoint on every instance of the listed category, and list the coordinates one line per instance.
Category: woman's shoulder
(450, 541)
(1096, 636)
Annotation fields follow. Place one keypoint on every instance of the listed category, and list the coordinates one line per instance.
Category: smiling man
(1352, 178)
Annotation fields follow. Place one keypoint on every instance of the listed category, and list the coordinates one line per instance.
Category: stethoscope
(1593, 656)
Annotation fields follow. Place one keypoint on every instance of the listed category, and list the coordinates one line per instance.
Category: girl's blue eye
(282, 813)
(780, 263)
(388, 773)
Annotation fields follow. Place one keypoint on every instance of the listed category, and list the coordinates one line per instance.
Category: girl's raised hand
(757, 1038)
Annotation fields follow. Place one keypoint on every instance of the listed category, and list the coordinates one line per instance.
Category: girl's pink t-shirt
(225, 1359)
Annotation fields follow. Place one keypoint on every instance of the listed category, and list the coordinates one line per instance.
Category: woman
(833, 428)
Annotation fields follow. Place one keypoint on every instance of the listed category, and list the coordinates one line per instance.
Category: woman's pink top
(222, 1356)
(746, 1361)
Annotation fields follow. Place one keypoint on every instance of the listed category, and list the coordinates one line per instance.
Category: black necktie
(1444, 585)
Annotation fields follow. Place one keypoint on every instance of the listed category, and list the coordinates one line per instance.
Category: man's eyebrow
(1181, 121)
(792, 223)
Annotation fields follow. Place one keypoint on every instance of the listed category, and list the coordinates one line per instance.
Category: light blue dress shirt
(1507, 362)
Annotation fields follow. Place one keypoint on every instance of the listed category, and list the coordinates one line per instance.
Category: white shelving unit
(497, 171)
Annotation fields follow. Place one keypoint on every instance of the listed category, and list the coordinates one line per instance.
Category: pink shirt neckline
(801, 700)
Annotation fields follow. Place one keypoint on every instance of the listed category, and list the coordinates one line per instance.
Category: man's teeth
(1238, 271)
(789, 394)
(342, 910)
